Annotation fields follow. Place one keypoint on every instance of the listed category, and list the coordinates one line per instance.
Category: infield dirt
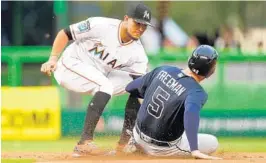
(57, 157)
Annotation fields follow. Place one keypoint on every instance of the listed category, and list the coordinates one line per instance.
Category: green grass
(243, 144)
(17, 160)
(66, 144)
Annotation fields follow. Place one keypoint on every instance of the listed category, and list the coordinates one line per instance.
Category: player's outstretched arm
(59, 44)
(193, 104)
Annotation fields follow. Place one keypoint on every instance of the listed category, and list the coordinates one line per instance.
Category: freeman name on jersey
(171, 83)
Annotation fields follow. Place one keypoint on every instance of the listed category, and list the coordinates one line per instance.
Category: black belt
(150, 140)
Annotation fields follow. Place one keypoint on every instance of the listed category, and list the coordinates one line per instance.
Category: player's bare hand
(198, 155)
(49, 66)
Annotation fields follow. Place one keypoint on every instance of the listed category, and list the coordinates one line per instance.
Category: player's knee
(214, 144)
(207, 143)
(107, 88)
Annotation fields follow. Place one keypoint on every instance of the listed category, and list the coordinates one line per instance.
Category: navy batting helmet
(203, 60)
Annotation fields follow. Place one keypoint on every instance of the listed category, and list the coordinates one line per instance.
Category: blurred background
(238, 25)
(237, 91)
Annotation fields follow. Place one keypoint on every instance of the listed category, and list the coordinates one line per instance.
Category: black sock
(131, 111)
(95, 109)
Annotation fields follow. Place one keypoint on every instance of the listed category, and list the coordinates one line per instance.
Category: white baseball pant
(179, 148)
(83, 77)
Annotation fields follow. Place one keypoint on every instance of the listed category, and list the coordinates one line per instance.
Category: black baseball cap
(140, 13)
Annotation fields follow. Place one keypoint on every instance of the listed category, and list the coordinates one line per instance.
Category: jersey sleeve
(139, 85)
(193, 104)
(85, 29)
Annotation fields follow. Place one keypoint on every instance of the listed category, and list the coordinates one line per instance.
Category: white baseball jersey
(97, 60)
(98, 38)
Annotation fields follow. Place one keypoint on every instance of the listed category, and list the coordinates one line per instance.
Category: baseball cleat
(87, 149)
(130, 147)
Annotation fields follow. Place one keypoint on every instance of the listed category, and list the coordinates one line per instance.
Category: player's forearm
(59, 44)
(191, 125)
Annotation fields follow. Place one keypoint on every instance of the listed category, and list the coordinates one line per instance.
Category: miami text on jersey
(103, 56)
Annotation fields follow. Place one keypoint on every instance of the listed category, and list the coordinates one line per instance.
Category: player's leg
(120, 80)
(206, 143)
(131, 111)
(81, 77)
(84, 78)
(147, 148)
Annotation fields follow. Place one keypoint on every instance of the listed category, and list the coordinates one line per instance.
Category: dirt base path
(44, 157)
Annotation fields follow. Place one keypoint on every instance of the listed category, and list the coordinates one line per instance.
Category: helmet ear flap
(192, 64)
(193, 58)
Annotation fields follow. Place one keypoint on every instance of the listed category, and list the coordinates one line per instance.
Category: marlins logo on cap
(146, 15)
(140, 13)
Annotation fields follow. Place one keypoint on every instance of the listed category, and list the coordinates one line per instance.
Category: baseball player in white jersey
(105, 56)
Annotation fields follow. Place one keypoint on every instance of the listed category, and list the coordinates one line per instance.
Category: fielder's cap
(140, 13)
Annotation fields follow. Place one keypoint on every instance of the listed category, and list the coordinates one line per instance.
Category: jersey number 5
(159, 97)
